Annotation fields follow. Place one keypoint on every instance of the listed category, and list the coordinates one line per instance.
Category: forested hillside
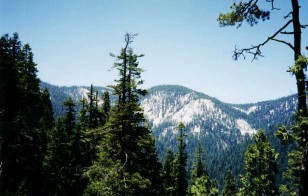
(186, 136)
(223, 129)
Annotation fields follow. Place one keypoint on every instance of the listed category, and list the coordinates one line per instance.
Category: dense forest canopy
(104, 144)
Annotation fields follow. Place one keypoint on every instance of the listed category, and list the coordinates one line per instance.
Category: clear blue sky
(181, 39)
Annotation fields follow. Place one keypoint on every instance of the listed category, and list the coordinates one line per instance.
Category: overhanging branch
(255, 50)
(286, 32)
(288, 15)
(284, 42)
(304, 26)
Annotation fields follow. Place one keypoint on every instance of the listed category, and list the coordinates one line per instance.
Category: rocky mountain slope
(223, 129)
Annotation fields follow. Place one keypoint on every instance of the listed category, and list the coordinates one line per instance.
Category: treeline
(106, 149)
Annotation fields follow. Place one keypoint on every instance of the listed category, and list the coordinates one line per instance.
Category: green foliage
(229, 185)
(198, 168)
(284, 135)
(106, 106)
(57, 161)
(71, 148)
(251, 13)
(26, 116)
(168, 173)
(69, 119)
(241, 11)
(300, 64)
(295, 135)
(291, 175)
(128, 156)
(180, 165)
(122, 150)
(203, 186)
(200, 183)
(260, 167)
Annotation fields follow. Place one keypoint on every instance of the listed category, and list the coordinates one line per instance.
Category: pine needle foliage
(127, 163)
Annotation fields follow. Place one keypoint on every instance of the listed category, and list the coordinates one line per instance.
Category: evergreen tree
(82, 120)
(127, 162)
(57, 159)
(229, 185)
(168, 174)
(91, 111)
(11, 169)
(25, 120)
(70, 116)
(90, 114)
(47, 119)
(106, 106)
(181, 163)
(201, 183)
(81, 158)
(63, 150)
(260, 167)
(291, 175)
(251, 12)
(198, 170)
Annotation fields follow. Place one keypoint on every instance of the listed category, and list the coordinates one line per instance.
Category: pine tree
(91, 111)
(47, 119)
(291, 175)
(260, 167)
(181, 163)
(168, 174)
(26, 120)
(60, 161)
(127, 162)
(57, 159)
(229, 185)
(105, 107)
(201, 183)
(11, 169)
(70, 116)
(251, 12)
(91, 116)
(82, 120)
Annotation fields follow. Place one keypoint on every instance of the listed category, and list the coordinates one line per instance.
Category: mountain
(223, 129)
(59, 94)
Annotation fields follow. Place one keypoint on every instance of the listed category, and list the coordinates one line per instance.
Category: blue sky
(181, 39)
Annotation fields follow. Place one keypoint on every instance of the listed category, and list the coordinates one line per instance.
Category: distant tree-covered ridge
(215, 137)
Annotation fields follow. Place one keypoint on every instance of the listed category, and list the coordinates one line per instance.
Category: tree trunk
(302, 106)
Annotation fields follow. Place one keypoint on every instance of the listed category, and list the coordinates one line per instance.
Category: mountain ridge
(176, 103)
(44, 84)
(224, 130)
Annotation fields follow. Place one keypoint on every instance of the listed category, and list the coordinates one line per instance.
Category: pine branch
(288, 15)
(255, 50)
(304, 26)
(286, 32)
(273, 7)
(284, 42)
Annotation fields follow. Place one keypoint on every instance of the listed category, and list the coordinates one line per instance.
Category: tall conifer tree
(24, 114)
(106, 106)
(201, 183)
(59, 161)
(127, 163)
(229, 185)
(181, 183)
(168, 174)
(260, 167)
